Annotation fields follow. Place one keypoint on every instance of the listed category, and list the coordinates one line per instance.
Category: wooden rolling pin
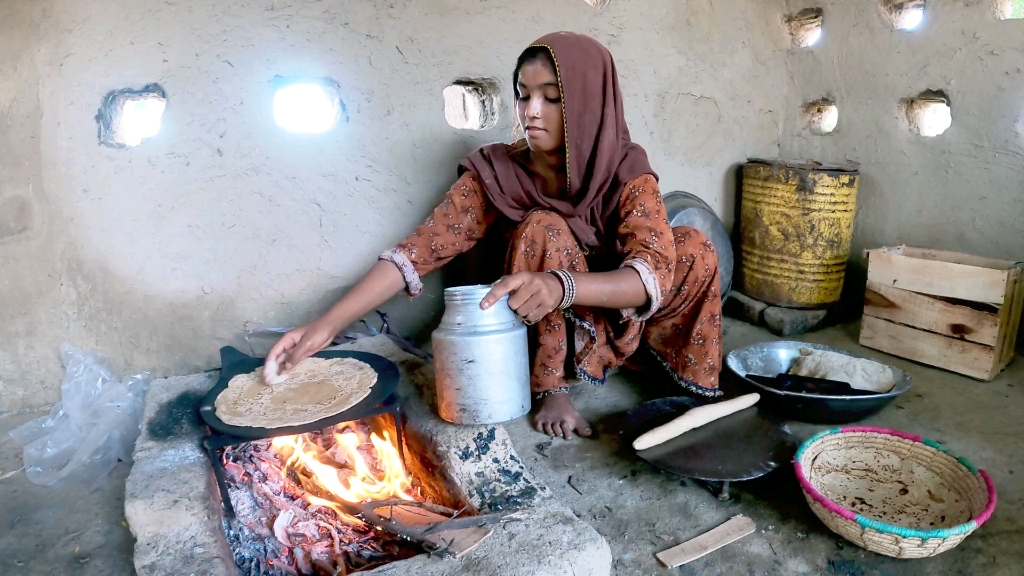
(694, 418)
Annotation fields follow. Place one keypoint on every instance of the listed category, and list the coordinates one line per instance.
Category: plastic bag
(94, 425)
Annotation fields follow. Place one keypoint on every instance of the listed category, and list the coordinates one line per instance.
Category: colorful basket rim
(835, 508)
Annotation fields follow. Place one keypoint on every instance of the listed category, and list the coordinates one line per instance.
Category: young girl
(574, 211)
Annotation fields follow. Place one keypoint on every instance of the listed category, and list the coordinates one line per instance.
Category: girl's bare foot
(556, 416)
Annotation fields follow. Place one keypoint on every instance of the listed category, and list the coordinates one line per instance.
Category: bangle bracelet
(546, 393)
(568, 287)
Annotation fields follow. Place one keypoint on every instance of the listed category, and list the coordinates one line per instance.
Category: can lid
(845, 166)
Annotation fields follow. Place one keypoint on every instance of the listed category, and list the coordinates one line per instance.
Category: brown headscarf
(600, 157)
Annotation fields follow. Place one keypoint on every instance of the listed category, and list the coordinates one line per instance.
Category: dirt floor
(44, 530)
(639, 509)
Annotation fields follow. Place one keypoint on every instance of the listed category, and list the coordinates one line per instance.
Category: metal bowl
(772, 358)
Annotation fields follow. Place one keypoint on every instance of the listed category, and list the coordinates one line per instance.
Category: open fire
(294, 496)
(471, 477)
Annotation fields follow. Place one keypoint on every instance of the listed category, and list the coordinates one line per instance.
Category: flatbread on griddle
(316, 388)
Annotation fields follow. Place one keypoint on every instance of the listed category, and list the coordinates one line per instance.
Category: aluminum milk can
(481, 360)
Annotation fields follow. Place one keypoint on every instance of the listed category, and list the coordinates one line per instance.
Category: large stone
(173, 507)
(171, 501)
(790, 321)
(743, 307)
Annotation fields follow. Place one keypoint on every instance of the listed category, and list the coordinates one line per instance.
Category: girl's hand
(301, 343)
(532, 295)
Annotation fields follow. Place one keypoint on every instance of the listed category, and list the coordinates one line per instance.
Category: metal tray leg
(396, 414)
(218, 472)
(724, 494)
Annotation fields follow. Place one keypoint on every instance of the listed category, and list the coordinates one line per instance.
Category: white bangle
(568, 287)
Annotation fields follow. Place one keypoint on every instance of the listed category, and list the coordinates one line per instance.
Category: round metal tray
(234, 363)
(741, 446)
(773, 358)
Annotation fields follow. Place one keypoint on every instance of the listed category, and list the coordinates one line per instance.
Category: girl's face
(539, 107)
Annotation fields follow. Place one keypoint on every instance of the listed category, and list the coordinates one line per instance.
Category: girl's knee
(543, 219)
(692, 241)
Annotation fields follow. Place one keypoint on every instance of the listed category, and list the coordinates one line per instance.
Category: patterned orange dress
(681, 326)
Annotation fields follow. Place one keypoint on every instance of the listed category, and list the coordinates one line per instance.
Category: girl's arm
(637, 288)
(453, 228)
(534, 295)
(378, 286)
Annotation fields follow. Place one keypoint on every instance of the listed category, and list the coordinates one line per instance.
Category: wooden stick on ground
(737, 527)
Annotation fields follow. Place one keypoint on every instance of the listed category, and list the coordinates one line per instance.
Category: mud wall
(961, 190)
(160, 254)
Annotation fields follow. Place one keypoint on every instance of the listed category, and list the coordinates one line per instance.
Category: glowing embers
(307, 106)
(127, 117)
(472, 104)
(903, 14)
(821, 116)
(927, 114)
(805, 26)
(293, 497)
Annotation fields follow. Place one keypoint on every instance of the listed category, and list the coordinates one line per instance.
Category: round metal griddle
(742, 446)
(234, 363)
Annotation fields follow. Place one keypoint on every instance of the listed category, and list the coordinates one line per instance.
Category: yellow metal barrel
(796, 224)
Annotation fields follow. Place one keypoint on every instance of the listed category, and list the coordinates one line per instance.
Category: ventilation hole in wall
(821, 116)
(598, 3)
(1009, 9)
(472, 104)
(903, 14)
(306, 106)
(927, 114)
(127, 117)
(805, 26)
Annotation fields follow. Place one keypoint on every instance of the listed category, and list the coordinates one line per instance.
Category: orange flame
(357, 481)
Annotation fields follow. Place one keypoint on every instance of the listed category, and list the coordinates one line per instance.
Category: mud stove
(375, 495)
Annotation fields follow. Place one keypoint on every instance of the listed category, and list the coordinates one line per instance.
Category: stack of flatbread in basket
(315, 389)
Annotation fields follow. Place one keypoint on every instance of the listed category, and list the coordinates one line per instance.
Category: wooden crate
(954, 311)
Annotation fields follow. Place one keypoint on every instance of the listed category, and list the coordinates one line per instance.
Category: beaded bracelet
(568, 287)
(546, 393)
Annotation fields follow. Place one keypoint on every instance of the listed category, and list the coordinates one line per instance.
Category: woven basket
(893, 493)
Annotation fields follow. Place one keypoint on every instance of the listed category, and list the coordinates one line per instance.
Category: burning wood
(297, 499)
(335, 502)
